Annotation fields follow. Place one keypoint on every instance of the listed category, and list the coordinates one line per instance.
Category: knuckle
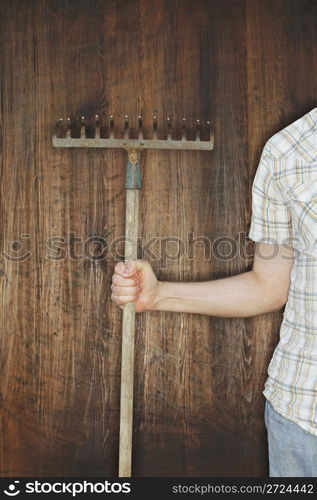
(119, 267)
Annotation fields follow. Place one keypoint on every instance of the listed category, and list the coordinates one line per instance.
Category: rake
(65, 137)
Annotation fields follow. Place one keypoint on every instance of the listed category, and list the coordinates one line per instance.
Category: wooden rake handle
(133, 186)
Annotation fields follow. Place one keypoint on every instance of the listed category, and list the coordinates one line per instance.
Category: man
(284, 227)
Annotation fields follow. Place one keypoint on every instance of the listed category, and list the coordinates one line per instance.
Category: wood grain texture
(198, 380)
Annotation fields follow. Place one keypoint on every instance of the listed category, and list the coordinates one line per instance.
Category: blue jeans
(292, 450)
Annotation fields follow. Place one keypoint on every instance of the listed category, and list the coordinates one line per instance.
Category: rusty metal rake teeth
(65, 135)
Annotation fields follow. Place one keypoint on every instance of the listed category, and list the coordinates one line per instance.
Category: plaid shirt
(284, 210)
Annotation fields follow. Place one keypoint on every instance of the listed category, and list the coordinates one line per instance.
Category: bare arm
(261, 290)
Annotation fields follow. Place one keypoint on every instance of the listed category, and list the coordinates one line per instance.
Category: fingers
(120, 300)
(125, 290)
(119, 280)
(126, 280)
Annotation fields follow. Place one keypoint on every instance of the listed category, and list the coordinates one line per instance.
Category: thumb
(130, 269)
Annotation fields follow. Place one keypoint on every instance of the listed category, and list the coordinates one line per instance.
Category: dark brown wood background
(247, 65)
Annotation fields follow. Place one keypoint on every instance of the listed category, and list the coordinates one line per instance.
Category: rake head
(87, 133)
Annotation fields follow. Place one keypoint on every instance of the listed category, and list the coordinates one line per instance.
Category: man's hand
(134, 282)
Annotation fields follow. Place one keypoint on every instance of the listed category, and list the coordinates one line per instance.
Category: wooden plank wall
(247, 65)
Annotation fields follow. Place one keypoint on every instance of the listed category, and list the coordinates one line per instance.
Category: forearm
(237, 296)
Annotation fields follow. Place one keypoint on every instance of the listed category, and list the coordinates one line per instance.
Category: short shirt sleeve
(271, 218)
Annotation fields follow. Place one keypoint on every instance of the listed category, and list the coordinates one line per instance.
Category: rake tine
(59, 128)
(82, 127)
(169, 129)
(111, 127)
(97, 127)
(140, 130)
(68, 129)
(198, 130)
(184, 129)
(209, 130)
(126, 127)
(155, 127)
